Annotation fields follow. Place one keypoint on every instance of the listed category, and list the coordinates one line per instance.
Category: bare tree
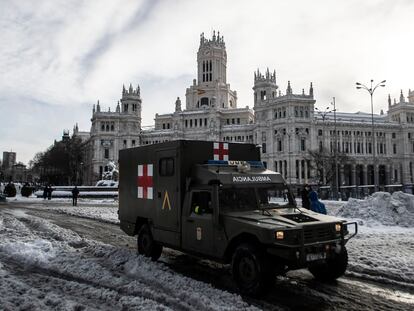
(323, 162)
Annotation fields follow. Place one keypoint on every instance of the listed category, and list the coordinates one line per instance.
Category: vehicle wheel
(251, 270)
(332, 269)
(146, 244)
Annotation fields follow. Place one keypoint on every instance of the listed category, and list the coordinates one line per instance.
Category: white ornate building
(283, 122)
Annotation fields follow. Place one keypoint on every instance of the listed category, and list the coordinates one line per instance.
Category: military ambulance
(217, 200)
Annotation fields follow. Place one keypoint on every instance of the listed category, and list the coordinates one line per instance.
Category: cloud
(59, 57)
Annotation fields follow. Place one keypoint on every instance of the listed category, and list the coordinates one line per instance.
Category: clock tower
(211, 90)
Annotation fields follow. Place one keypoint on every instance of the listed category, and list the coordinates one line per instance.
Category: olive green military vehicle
(217, 200)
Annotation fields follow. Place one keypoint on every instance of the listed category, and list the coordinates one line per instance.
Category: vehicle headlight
(338, 227)
(280, 235)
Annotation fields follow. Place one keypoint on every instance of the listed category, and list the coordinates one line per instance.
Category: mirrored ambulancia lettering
(251, 179)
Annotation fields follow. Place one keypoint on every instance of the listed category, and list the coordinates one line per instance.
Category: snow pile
(382, 208)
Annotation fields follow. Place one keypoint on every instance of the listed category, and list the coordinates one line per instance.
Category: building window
(263, 147)
(238, 120)
(195, 122)
(394, 148)
(163, 126)
(297, 169)
(168, 125)
(191, 122)
(133, 143)
(106, 153)
(102, 127)
(232, 121)
(302, 145)
(279, 145)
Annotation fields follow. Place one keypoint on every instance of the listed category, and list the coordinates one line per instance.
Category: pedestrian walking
(305, 196)
(316, 205)
(75, 194)
(45, 191)
(49, 192)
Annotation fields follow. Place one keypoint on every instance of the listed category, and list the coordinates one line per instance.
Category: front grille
(318, 234)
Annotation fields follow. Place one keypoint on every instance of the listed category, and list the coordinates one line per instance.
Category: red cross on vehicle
(144, 181)
(221, 151)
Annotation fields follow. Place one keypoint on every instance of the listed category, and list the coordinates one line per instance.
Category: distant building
(9, 159)
(285, 124)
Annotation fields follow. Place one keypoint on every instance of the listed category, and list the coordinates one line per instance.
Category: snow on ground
(43, 266)
(100, 209)
(383, 249)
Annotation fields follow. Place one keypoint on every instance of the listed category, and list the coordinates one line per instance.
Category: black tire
(146, 244)
(332, 269)
(252, 270)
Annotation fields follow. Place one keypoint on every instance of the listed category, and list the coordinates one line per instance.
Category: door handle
(190, 220)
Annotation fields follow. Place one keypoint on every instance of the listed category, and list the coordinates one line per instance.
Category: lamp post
(323, 114)
(371, 91)
(336, 152)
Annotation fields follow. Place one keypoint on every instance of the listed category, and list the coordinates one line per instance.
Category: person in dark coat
(45, 193)
(75, 194)
(305, 197)
(316, 205)
(49, 192)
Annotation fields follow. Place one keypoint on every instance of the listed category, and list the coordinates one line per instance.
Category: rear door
(166, 191)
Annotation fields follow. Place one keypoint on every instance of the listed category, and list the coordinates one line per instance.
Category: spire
(289, 89)
(303, 91)
(77, 127)
(402, 99)
(138, 90)
(130, 88)
(98, 107)
(118, 108)
(178, 104)
(123, 89)
(389, 100)
(311, 89)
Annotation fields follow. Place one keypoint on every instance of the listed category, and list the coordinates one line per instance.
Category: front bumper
(308, 251)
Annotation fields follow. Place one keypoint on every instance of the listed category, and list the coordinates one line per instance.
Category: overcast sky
(57, 58)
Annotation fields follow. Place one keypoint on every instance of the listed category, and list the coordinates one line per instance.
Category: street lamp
(336, 151)
(371, 91)
(323, 114)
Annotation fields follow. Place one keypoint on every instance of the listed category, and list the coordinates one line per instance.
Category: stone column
(367, 181)
(353, 172)
(306, 172)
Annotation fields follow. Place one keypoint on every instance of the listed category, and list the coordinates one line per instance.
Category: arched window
(204, 101)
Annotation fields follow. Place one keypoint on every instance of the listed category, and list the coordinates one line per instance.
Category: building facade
(286, 125)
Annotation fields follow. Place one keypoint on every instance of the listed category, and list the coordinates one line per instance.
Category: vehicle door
(197, 222)
(166, 196)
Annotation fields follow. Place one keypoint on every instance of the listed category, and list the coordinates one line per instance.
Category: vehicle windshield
(237, 199)
(253, 198)
(274, 197)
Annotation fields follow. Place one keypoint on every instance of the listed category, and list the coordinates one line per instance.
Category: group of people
(47, 194)
(310, 200)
